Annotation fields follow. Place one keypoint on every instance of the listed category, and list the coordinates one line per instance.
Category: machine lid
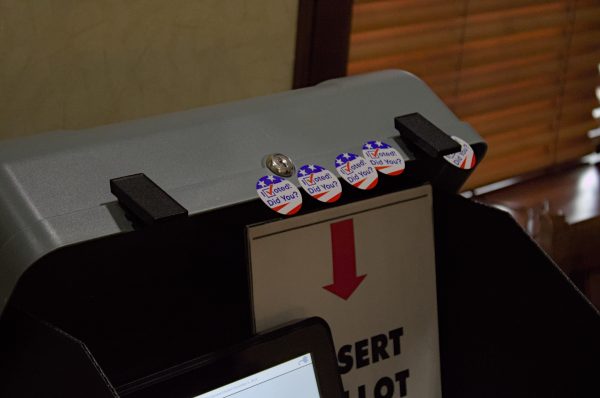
(55, 186)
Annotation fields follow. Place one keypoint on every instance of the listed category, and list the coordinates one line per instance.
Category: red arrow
(345, 280)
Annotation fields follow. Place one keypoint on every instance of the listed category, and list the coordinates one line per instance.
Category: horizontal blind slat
(522, 72)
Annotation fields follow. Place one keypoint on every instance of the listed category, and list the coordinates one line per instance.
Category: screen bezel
(261, 352)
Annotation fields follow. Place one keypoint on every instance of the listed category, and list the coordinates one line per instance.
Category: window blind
(522, 72)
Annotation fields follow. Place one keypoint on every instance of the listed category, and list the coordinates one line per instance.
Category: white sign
(368, 269)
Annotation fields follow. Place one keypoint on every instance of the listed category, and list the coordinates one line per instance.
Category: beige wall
(67, 64)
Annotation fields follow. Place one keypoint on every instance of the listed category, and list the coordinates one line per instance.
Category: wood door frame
(322, 41)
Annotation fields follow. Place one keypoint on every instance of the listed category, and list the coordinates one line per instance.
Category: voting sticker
(465, 158)
(320, 183)
(384, 158)
(279, 194)
(356, 171)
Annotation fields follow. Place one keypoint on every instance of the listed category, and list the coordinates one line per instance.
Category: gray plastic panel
(54, 187)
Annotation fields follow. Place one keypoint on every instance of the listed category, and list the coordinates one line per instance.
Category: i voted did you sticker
(355, 170)
(319, 183)
(279, 194)
(386, 159)
(465, 158)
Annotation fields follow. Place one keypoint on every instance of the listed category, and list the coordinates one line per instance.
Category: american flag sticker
(465, 158)
(319, 183)
(384, 158)
(356, 171)
(279, 194)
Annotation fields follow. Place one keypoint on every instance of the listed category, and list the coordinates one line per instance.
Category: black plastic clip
(145, 200)
(419, 131)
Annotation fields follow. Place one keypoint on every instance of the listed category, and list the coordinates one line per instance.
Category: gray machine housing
(54, 187)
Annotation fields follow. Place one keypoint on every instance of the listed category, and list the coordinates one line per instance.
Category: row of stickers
(360, 172)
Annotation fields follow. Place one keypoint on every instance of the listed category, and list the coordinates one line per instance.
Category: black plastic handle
(143, 198)
(416, 129)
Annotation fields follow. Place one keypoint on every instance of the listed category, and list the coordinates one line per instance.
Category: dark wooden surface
(561, 211)
(574, 192)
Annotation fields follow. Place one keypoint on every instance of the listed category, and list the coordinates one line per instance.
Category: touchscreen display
(292, 379)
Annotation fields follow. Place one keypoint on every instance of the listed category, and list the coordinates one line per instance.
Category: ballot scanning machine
(296, 360)
(130, 249)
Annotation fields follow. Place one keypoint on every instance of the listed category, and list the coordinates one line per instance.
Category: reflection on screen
(291, 379)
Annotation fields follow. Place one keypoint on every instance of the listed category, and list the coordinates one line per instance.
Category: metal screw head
(280, 165)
